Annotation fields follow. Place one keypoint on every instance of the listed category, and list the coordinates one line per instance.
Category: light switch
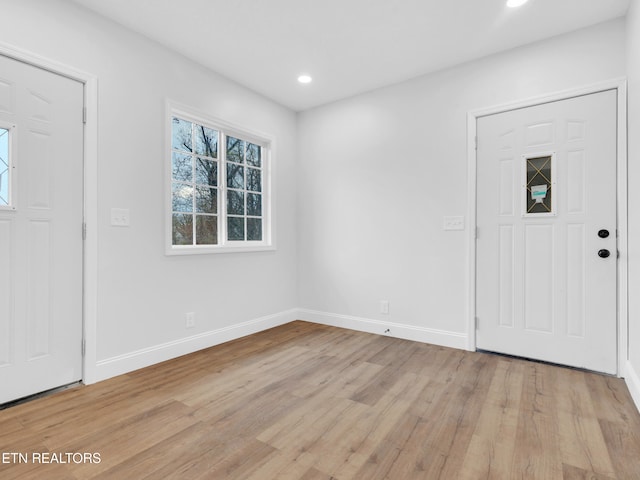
(453, 223)
(120, 217)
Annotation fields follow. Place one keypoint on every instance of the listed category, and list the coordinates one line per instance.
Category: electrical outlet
(384, 307)
(189, 320)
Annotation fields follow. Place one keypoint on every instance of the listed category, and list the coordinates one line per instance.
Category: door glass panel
(539, 183)
(4, 167)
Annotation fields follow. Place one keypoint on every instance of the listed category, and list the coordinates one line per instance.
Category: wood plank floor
(312, 402)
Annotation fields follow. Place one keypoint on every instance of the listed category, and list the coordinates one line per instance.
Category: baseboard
(633, 383)
(408, 332)
(129, 362)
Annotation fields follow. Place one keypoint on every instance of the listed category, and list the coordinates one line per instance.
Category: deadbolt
(604, 253)
(603, 233)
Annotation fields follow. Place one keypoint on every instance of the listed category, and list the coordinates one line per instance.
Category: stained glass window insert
(4, 168)
(539, 185)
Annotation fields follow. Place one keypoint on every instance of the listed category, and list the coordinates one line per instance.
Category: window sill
(207, 249)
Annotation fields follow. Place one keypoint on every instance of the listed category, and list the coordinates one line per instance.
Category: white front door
(546, 248)
(41, 213)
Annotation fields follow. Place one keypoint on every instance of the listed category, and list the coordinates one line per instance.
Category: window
(219, 187)
(6, 167)
(539, 185)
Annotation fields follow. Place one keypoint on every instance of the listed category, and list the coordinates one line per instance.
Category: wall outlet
(189, 320)
(384, 307)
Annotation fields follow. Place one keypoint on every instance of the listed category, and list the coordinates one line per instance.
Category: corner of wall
(129, 362)
(398, 330)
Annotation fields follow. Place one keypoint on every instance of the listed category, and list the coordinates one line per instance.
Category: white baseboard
(145, 357)
(129, 362)
(633, 383)
(399, 330)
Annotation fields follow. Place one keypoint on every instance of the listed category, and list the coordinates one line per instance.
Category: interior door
(41, 214)
(546, 248)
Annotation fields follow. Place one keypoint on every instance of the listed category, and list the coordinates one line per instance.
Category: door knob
(604, 253)
(603, 233)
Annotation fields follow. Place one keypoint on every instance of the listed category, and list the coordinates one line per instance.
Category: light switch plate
(453, 223)
(120, 217)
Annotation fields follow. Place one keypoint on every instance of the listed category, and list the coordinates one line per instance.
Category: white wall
(633, 84)
(142, 294)
(378, 172)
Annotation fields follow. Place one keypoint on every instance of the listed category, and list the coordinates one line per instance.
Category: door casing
(620, 85)
(90, 200)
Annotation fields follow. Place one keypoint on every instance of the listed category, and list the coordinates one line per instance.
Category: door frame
(618, 84)
(90, 197)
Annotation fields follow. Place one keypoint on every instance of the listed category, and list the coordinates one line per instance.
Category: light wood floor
(311, 402)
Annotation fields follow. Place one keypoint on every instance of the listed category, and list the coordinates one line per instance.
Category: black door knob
(603, 233)
(604, 253)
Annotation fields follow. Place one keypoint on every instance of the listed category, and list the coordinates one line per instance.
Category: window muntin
(194, 182)
(6, 169)
(219, 187)
(244, 190)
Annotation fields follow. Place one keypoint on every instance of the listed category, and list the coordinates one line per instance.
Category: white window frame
(12, 197)
(267, 142)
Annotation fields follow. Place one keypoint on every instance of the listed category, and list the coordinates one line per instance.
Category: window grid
(244, 218)
(225, 206)
(194, 188)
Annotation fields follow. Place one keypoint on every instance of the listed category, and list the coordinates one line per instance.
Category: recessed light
(304, 79)
(516, 3)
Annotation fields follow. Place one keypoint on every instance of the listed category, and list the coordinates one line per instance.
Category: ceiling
(347, 46)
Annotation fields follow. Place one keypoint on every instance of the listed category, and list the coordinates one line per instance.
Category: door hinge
(84, 231)
(477, 323)
(84, 347)
(84, 114)
(476, 141)
(477, 233)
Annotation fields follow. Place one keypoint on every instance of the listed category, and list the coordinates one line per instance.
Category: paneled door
(546, 248)
(41, 214)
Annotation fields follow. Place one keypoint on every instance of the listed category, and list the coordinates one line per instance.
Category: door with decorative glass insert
(41, 189)
(546, 249)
